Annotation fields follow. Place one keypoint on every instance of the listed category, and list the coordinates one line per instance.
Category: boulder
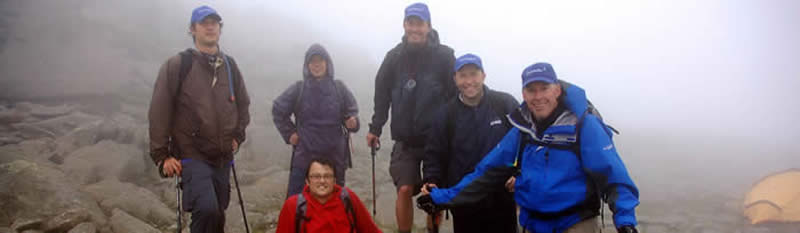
(43, 198)
(122, 222)
(45, 111)
(58, 126)
(134, 200)
(86, 227)
(104, 160)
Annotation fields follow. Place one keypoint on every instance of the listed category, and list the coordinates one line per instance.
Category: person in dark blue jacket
(325, 112)
(414, 80)
(567, 162)
(465, 130)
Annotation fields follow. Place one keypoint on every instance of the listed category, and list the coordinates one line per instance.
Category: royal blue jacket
(555, 189)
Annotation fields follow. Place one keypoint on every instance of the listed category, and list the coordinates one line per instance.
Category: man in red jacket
(324, 206)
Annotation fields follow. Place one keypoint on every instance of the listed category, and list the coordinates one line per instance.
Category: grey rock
(45, 111)
(57, 126)
(10, 139)
(134, 200)
(122, 222)
(23, 223)
(86, 227)
(104, 160)
(12, 116)
(33, 191)
(66, 220)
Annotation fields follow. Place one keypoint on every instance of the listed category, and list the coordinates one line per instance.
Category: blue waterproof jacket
(320, 108)
(556, 188)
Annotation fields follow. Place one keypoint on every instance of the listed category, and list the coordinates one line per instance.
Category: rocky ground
(69, 167)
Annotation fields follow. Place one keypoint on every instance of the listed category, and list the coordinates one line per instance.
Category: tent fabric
(775, 198)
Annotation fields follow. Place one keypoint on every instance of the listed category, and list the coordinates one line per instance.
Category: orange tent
(775, 198)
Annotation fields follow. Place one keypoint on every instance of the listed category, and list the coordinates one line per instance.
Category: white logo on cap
(416, 9)
(537, 70)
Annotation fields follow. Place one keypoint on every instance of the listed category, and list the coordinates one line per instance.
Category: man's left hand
(351, 122)
(235, 146)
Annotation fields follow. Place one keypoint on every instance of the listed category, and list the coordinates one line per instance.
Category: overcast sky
(707, 68)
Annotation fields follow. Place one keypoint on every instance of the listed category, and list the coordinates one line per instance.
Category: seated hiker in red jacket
(324, 206)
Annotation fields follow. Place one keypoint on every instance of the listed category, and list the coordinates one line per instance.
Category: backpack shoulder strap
(300, 212)
(338, 87)
(348, 208)
(186, 66)
(300, 85)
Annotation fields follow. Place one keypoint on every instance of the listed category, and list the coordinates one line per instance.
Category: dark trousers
(499, 214)
(206, 193)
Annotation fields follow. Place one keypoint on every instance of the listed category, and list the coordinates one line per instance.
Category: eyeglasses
(318, 177)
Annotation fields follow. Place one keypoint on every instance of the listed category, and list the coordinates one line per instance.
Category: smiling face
(320, 180)
(317, 66)
(541, 98)
(207, 31)
(416, 30)
(469, 80)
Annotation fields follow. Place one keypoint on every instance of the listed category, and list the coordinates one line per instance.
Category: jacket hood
(317, 49)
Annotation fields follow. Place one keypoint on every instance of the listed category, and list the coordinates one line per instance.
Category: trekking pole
(374, 206)
(178, 197)
(241, 202)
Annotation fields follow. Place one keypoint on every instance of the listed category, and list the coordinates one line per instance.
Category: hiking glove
(627, 229)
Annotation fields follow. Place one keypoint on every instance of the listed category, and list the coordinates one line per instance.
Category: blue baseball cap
(200, 13)
(467, 59)
(539, 72)
(420, 10)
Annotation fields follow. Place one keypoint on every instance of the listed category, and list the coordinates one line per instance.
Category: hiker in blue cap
(198, 115)
(565, 160)
(414, 80)
(325, 113)
(464, 131)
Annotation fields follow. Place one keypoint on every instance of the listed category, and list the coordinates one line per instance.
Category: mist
(703, 93)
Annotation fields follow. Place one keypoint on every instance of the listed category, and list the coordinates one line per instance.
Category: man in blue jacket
(414, 80)
(465, 130)
(567, 162)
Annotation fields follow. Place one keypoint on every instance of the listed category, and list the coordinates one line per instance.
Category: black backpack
(302, 206)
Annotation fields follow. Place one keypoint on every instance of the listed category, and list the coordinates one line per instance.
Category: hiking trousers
(496, 215)
(586, 226)
(206, 193)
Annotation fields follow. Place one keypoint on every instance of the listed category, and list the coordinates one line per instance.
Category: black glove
(425, 203)
(627, 229)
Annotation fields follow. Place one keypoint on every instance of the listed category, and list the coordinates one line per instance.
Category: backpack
(302, 206)
(186, 66)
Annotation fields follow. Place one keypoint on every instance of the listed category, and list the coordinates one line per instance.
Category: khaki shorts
(405, 165)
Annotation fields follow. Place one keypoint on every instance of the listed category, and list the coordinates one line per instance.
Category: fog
(703, 92)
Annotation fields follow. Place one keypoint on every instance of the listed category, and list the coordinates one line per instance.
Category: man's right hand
(372, 140)
(294, 139)
(426, 187)
(171, 167)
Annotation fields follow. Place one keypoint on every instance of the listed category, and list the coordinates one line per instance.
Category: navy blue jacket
(462, 135)
(553, 179)
(413, 109)
(319, 114)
